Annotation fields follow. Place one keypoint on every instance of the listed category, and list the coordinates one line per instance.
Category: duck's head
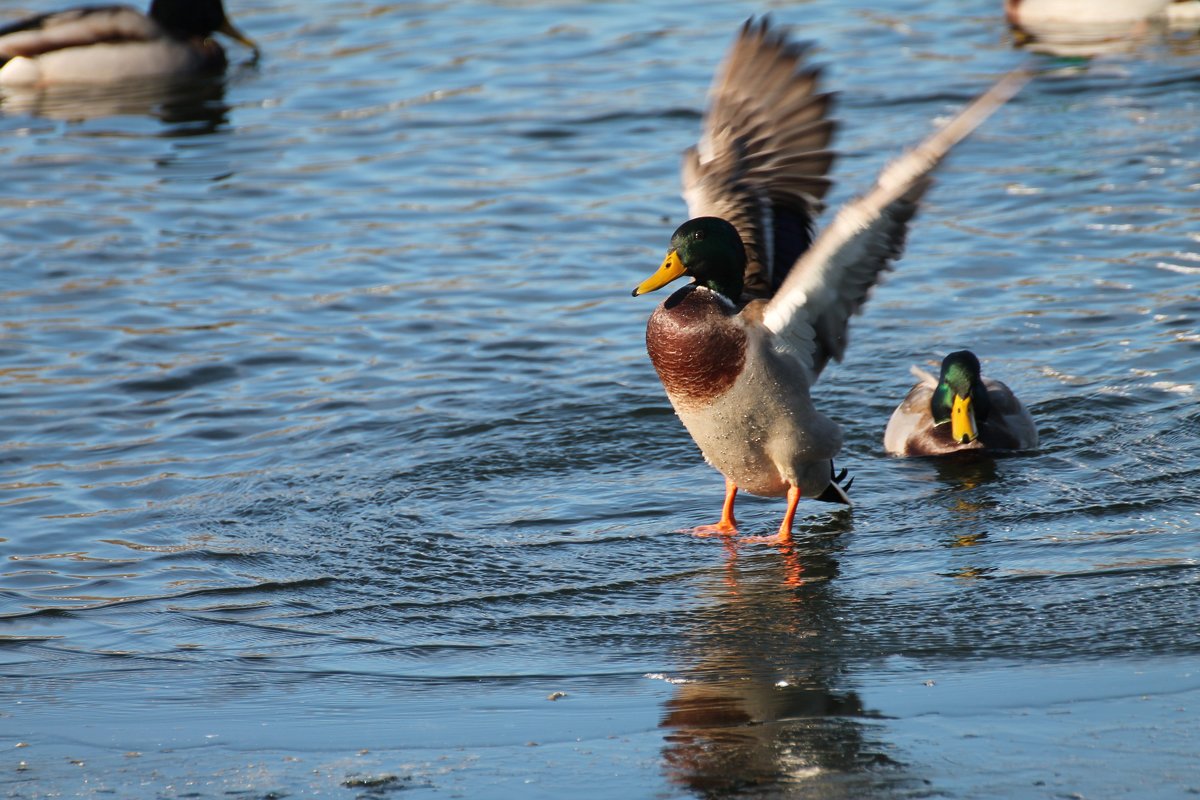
(200, 18)
(708, 249)
(960, 397)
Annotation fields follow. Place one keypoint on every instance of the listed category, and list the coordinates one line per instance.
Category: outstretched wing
(810, 312)
(74, 28)
(761, 160)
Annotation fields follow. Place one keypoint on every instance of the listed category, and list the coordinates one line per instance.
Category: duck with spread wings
(739, 347)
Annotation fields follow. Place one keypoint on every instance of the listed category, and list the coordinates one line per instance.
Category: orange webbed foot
(727, 526)
(775, 539)
(718, 529)
(784, 537)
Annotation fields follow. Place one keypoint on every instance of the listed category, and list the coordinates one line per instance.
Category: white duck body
(744, 401)
(161, 59)
(1066, 14)
(1086, 28)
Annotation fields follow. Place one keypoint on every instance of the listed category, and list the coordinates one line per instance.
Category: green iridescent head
(960, 397)
(198, 18)
(708, 249)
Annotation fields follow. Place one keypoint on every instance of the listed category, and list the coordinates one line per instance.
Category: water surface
(330, 450)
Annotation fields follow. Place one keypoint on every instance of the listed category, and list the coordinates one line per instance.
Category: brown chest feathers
(696, 344)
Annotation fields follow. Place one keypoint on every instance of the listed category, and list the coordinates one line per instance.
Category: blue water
(330, 450)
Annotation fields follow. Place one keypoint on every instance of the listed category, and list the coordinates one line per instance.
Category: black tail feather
(835, 492)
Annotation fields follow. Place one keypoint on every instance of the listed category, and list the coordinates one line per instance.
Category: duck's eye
(697, 236)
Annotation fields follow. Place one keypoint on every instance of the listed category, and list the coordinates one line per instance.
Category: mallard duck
(738, 348)
(1183, 13)
(959, 411)
(1066, 13)
(109, 44)
(1083, 28)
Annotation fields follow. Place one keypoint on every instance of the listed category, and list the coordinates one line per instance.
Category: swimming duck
(1084, 13)
(1076, 13)
(1085, 28)
(109, 44)
(738, 348)
(959, 411)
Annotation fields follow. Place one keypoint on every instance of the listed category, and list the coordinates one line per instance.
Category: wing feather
(830, 282)
(761, 161)
(74, 28)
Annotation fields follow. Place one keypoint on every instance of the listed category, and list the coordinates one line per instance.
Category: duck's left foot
(776, 540)
(727, 526)
(784, 537)
(719, 529)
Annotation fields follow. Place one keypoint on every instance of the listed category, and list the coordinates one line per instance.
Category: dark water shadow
(767, 710)
(973, 484)
(961, 472)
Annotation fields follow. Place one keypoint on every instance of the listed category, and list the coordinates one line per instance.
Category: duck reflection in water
(766, 707)
(966, 472)
(970, 508)
(188, 107)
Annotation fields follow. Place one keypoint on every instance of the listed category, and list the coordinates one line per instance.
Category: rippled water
(330, 450)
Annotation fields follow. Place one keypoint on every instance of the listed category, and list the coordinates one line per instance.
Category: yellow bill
(672, 267)
(962, 420)
(233, 33)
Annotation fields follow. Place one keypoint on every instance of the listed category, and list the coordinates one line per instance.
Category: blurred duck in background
(117, 44)
(1094, 27)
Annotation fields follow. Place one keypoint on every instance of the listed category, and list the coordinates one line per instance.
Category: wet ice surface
(331, 449)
